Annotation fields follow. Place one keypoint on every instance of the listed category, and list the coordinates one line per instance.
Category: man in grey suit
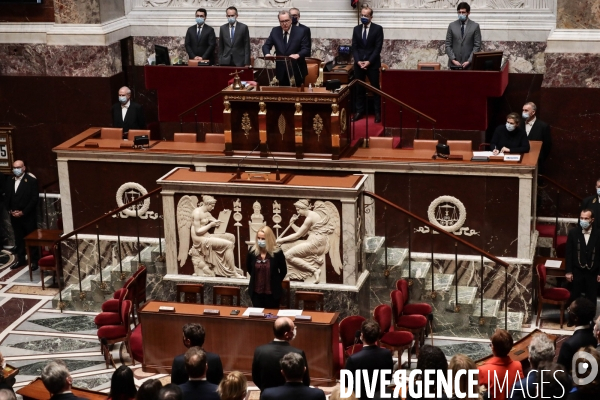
(234, 41)
(200, 39)
(463, 38)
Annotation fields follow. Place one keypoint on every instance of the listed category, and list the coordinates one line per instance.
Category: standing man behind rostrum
(536, 130)
(295, 14)
(463, 38)
(127, 114)
(367, 41)
(234, 41)
(200, 39)
(21, 197)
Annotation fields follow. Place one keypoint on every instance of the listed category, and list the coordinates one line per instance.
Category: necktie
(232, 31)
(462, 30)
(285, 37)
(198, 33)
(365, 36)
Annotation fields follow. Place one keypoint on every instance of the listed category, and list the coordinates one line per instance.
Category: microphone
(238, 174)
(274, 159)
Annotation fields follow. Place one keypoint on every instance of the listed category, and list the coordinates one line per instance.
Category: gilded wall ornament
(246, 127)
(281, 125)
(343, 121)
(318, 126)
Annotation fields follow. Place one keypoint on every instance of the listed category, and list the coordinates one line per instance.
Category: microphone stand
(238, 174)
(277, 177)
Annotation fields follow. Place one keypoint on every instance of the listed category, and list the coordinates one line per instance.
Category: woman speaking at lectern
(267, 268)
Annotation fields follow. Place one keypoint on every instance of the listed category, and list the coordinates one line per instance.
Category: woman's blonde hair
(233, 387)
(335, 394)
(270, 238)
(458, 363)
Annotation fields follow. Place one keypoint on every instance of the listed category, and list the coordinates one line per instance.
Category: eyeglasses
(284, 22)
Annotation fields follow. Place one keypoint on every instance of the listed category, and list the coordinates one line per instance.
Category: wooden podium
(287, 121)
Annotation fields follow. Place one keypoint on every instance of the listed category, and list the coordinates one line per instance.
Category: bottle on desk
(310, 88)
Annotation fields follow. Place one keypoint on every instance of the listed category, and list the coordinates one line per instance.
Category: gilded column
(262, 128)
(298, 131)
(335, 131)
(227, 128)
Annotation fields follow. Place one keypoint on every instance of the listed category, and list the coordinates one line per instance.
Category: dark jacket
(266, 371)
(589, 254)
(292, 391)
(540, 131)
(26, 197)
(236, 53)
(205, 47)
(134, 118)
(370, 358)
(213, 375)
(371, 51)
(278, 272)
(581, 338)
(297, 43)
(66, 396)
(592, 203)
(516, 141)
(199, 390)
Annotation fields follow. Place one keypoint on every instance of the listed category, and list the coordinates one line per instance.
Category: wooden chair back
(311, 301)
(286, 297)
(111, 133)
(184, 137)
(227, 295)
(192, 293)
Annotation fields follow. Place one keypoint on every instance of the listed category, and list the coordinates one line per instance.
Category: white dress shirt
(586, 234)
(529, 125)
(124, 108)
(18, 181)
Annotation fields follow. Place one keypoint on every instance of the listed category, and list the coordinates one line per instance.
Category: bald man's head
(284, 329)
(124, 95)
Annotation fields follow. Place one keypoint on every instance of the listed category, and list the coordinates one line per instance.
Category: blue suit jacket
(199, 390)
(292, 391)
(298, 43)
(372, 50)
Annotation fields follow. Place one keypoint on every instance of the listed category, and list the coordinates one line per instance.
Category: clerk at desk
(127, 114)
(509, 138)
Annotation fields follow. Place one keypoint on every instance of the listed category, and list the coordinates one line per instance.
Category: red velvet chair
(113, 318)
(423, 309)
(136, 344)
(415, 324)
(391, 339)
(139, 297)
(556, 296)
(348, 328)
(111, 334)
(112, 305)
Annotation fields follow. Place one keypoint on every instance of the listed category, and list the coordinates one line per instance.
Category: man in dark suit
(536, 130)
(20, 199)
(193, 336)
(289, 41)
(127, 114)
(57, 380)
(541, 349)
(593, 203)
(581, 315)
(463, 38)
(367, 41)
(266, 370)
(170, 392)
(197, 387)
(234, 41)
(295, 15)
(582, 258)
(200, 39)
(293, 369)
(370, 358)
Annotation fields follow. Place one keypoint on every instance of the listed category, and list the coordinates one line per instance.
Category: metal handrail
(561, 187)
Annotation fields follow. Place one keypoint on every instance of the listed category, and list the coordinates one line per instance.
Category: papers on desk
(289, 313)
(252, 310)
(485, 154)
(553, 263)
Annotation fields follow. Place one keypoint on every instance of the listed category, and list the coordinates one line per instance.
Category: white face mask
(510, 127)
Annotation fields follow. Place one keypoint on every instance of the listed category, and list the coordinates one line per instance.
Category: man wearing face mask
(367, 41)
(463, 38)
(582, 259)
(593, 203)
(536, 130)
(295, 14)
(509, 138)
(127, 114)
(581, 316)
(266, 370)
(200, 39)
(234, 41)
(21, 197)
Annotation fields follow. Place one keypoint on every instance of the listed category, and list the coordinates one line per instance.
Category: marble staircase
(466, 320)
(93, 291)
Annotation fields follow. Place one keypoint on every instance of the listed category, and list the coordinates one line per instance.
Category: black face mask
(572, 320)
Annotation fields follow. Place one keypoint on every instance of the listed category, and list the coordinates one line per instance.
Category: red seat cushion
(417, 308)
(545, 230)
(111, 305)
(46, 253)
(135, 342)
(107, 318)
(558, 294)
(112, 332)
(47, 261)
(117, 294)
(397, 338)
(355, 348)
(411, 321)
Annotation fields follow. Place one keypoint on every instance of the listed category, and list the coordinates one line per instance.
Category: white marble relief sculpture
(129, 192)
(276, 216)
(449, 214)
(257, 221)
(211, 253)
(306, 257)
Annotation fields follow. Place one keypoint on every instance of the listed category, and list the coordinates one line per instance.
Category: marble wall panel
(580, 14)
(77, 12)
(572, 70)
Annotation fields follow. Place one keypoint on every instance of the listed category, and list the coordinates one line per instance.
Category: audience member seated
(193, 335)
(335, 394)
(197, 387)
(509, 138)
(122, 386)
(233, 387)
(541, 349)
(433, 358)
(499, 365)
(170, 392)
(581, 314)
(266, 371)
(460, 362)
(553, 382)
(57, 380)
(582, 371)
(293, 369)
(7, 394)
(149, 390)
(370, 358)
(5, 383)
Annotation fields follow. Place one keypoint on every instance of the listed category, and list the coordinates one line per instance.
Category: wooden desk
(520, 350)
(234, 337)
(555, 272)
(189, 147)
(345, 73)
(37, 391)
(111, 143)
(40, 238)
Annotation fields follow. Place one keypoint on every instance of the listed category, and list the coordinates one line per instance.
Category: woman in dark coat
(267, 268)
(509, 138)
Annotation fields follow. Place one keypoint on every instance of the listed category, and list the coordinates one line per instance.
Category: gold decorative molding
(281, 125)
(318, 126)
(343, 121)
(246, 127)
(262, 108)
